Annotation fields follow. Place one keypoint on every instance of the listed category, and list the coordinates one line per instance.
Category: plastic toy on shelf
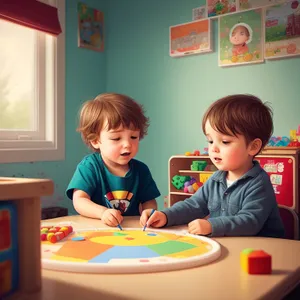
(195, 153)
(198, 165)
(189, 184)
(284, 141)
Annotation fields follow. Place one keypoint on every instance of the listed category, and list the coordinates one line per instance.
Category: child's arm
(147, 207)
(157, 219)
(149, 204)
(87, 208)
(259, 203)
(195, 207)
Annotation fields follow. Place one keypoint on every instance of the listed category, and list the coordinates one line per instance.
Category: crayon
(152, 212)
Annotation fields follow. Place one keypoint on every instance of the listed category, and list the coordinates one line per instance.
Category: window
(32, 117)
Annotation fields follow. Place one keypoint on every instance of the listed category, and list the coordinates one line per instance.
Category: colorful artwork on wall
(90, 28)
(220, 7)
(282, 30)
(190, 38)
(241, 38)
(250, 4)
(199, 13)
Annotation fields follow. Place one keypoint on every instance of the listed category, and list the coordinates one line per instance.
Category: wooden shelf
(280, 151)
(196, 172)
(25, 195)
(180, 193)
(180, 165)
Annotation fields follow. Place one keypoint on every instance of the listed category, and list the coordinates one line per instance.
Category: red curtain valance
(31, 13)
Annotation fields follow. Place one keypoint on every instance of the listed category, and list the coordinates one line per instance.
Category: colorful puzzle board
(129, 251)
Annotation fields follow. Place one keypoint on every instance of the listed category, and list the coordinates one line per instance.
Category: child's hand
(158, 219)
(200, 226)
(112, 217)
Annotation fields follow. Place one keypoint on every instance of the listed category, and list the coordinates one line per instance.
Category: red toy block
(259, 262)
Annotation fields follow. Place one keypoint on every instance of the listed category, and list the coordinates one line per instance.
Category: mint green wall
(176, 92)
(85, 78)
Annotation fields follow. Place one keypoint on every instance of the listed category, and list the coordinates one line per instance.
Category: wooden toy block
(23, 194)
(204, 177)
(244, 258)
(56, 233)
(256, 261)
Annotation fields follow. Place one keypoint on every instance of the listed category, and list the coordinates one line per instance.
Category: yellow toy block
(293, 135)
(204, 177)
(244, 259)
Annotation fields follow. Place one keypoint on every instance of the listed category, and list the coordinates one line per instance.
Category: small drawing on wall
(199, 13)
(282, 28)
(250, 4)
(190, 38)
(241, 38)
(220, 7)
(90, 28)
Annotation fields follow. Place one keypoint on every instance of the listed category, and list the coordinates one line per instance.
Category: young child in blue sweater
(238, 199)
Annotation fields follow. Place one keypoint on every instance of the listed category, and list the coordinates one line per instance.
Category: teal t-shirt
(124, 193)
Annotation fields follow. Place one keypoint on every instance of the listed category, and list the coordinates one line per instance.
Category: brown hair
(241, 114)
(117, 110)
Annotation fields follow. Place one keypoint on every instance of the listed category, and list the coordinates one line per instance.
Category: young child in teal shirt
(238, 199)
(110, 183)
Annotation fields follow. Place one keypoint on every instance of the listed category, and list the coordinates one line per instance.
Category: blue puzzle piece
(124, 252)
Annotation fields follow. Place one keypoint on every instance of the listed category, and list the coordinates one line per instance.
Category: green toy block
(198, 165)
(194, 166)
(178, 181)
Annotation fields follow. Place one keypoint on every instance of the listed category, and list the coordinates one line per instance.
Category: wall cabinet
(282, 164)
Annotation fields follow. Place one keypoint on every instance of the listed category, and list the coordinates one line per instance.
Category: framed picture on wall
(90, 28)
(282, 30)
(190, 38)
(199, 13)
(250, 4)
(241, 38)
(220, 7)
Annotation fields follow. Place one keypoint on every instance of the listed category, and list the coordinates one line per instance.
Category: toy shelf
(181, 165)
(23, 196)
(283, 164)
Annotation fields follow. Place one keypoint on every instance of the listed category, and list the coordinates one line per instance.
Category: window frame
(52, 147)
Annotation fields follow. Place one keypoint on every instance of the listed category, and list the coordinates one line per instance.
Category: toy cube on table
(20, 248)
(256, 261)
